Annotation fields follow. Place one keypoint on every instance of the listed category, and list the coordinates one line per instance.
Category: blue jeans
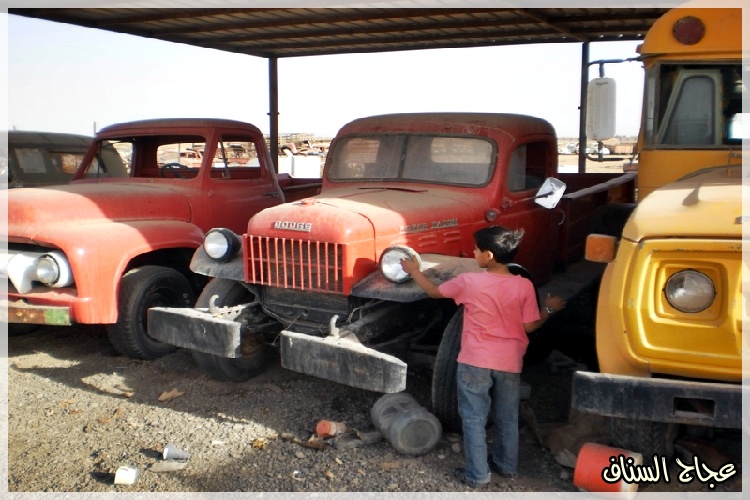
(479, 391)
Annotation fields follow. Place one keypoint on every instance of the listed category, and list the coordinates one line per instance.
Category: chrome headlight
(53, 269)
(390, 263)
(221, 244)
(690, 291)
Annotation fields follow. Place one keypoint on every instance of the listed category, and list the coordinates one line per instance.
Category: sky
(64, 78)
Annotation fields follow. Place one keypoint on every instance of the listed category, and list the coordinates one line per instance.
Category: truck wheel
(444, 389)
(644, 437)
(141, 289)
(231, 293)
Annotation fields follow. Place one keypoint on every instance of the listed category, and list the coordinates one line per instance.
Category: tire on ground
(647, 438)
(444, 389)
(141, 289)
(230, 293)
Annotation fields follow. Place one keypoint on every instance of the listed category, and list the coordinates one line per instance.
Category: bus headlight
(221, 244)
(690, 291)
(53, 269)
(390, 263)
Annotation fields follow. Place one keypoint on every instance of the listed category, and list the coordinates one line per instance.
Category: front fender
(232, 270)
(99, 254)
(439, 268)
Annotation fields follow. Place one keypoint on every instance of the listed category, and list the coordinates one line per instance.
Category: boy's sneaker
(504, 475)
(460, 474)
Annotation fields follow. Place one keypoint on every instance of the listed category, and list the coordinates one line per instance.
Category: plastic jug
(407, 426)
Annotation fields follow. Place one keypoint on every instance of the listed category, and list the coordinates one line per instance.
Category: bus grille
(298, 264)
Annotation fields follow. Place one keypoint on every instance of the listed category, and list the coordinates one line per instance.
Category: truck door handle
(562, 217)
(272, 194)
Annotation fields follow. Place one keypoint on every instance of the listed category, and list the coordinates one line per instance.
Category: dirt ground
(613, 166)
(77, 411)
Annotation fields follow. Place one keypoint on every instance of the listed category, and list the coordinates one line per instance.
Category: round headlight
(47, 270)
(221, 244)
(390, 263)
(690, 291)
(53, 270)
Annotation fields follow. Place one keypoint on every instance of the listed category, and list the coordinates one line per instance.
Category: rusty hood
(33, 210)
(352, 214)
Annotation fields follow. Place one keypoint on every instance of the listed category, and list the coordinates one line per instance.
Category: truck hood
(345, 215)
(32, 210)
(706, 204)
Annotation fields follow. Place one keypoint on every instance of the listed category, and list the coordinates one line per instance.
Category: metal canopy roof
(278, 33)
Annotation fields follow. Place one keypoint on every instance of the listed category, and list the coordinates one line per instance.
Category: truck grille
(299, 264)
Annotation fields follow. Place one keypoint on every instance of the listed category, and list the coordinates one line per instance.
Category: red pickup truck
(119, 237)
(317, 278)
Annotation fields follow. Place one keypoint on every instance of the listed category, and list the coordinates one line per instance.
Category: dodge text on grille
(304, 227)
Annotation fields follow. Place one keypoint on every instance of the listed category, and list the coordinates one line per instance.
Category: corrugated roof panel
(304, 32)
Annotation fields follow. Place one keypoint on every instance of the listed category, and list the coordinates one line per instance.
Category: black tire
(230, 293)
(647, 438)
(519, 270)
(141, 289)
(444, 388)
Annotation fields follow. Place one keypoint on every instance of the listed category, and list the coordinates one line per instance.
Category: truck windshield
(413, 158)
(696, 105)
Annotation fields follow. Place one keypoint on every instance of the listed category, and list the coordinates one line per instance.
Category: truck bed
(585, 194)
(298, 188)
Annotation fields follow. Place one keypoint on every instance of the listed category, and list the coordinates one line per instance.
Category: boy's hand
(556, 303)
(409, 265)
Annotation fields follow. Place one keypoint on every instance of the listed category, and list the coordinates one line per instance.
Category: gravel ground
(77, 411)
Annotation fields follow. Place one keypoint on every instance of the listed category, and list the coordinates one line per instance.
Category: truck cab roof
(450, 122)
(149, 126)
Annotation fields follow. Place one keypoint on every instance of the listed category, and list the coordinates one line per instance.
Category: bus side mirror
(600, 109)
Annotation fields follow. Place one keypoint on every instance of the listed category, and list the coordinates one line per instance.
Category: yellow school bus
(670, 306)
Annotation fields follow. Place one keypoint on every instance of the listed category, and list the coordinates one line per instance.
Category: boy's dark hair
(501, 241)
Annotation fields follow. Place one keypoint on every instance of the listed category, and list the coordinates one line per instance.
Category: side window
(691, 117)
(526, 168)
(236, 157)
(66, 162)
(31, 160)
(739, 127)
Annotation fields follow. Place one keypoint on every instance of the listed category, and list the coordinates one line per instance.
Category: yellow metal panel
(708, 205)
(705, 344)
(723, 34)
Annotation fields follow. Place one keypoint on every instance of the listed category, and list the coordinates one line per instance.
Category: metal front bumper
(337, 359)
(658, 400)
(195, 329)
(21, 312)
(344, 361)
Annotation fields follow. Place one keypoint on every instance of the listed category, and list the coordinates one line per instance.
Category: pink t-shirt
(495, 308)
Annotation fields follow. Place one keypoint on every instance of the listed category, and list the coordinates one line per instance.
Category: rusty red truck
(320, 277)
(119, 237)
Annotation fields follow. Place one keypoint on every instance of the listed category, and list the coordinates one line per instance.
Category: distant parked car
(36, 159)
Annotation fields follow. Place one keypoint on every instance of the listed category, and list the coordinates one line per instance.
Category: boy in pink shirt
(500, 309)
